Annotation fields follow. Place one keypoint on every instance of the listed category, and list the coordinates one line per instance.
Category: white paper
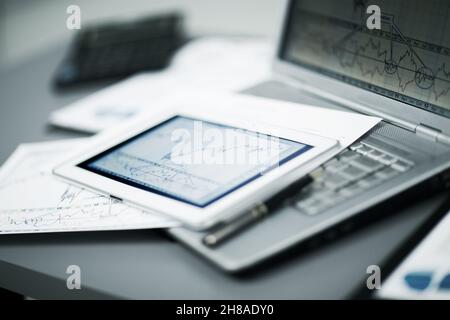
(346, 127)
(431, 259)
(228, 65)
(32, 200)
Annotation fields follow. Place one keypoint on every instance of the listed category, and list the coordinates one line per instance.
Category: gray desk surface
(143, 264)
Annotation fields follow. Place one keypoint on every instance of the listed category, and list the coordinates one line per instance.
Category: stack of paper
(32, 200)
(209, 64)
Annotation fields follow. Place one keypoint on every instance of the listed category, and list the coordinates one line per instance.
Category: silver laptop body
(327, 56)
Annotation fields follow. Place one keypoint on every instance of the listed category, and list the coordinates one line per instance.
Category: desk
(144, 264)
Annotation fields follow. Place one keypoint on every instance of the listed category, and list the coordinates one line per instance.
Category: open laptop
(327, 56)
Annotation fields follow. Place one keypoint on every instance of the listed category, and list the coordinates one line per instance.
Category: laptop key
(318, 202)
(348, 156)
(401, 165)
(322, 194)
(375, 154)
(311, 206)
(303, 203)
(336, 167)
(356, 146)
(364, 150)
(367, 164)
(387, 173)
(353, 173)
(335, 199)
(369, 181)
(310, 211)
(351, 190)
(329, 197)
(387, 159)
(335, 181)
(330, 162)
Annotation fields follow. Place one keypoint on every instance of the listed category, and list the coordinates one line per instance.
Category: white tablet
(200, 170)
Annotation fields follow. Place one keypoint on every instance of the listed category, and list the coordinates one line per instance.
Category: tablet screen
(193, 161)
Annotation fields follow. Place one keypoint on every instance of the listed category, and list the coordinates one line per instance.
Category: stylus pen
(247, 219)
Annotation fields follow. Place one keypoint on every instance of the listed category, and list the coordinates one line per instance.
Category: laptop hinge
(345, 102)
(421, 129)
(434, 134)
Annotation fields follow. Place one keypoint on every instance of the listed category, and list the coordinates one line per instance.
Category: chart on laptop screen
(408, 59)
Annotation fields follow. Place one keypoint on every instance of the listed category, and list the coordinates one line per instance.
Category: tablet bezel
(194, 217)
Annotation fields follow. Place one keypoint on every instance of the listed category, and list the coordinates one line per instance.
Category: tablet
(199, 170)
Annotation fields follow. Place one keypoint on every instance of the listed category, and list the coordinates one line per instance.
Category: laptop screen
(407, 59)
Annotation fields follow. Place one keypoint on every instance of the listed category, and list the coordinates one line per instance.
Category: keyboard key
(304, 203)
(335, 199)
(348, 155)
(369, 181)
(387, 159)
(367, 164)
(353, 173)
(335, 181)
(330, 162)
(336, 167)
(329, 197)
(387, 173)
(351, 190)
(356, 146)
(401, 165)
(364, 150)
(375, 154)
(311, 206)
(323, 194)
(310, 211)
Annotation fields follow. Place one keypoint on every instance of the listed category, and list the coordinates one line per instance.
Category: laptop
(328, 56)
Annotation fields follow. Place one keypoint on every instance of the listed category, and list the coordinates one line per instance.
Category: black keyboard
(121, 49)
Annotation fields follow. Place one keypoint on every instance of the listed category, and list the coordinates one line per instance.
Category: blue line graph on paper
(32, 200)
(407, 60)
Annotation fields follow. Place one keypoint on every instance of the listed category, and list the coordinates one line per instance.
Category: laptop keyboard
(353, 171)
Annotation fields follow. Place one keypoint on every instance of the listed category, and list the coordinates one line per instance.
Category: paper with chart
(425, 274)
(32, 200)
(224, 64)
